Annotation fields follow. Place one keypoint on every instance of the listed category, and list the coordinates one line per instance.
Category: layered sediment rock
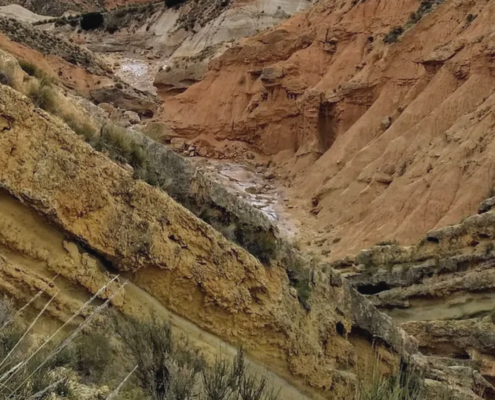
(183, 262)
(441, 290)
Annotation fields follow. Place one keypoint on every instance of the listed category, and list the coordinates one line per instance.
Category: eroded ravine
(245, 181)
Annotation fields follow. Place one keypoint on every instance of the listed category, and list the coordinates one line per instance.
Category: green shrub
(151, 345)
(424, 8)
(262, 245)
(121, 146)
(93, 353)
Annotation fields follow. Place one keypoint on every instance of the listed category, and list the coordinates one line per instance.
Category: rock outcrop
(209, 200)
(179, 259)
(212, 33)
(18, 12)
(127, 98)
(441, 290)
(380, 118)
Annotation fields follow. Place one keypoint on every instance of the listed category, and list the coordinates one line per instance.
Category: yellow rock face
(184, 263)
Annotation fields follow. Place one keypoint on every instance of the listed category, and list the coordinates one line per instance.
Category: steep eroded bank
(381, 141)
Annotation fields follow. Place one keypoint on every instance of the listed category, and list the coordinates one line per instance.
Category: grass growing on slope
(43, 96)
(32, 69)
(134, 358)
(83, 129)
(403, 386)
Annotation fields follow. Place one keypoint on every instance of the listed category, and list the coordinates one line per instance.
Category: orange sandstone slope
(382, 141)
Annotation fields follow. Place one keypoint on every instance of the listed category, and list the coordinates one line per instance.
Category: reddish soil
(376, 141)
(71, 76)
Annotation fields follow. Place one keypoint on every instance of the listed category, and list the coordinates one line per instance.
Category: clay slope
(89, 202)
(380, 140)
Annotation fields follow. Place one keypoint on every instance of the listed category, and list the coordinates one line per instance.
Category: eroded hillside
(178, 259)
(377, 131)
(71, 218)
(171, 46)
(383, 132)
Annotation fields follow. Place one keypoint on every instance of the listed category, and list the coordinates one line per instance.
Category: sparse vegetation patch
(393, 35)
(425, 7)
(137, 359)
(83, 129)
(406, 385)
(32, 70)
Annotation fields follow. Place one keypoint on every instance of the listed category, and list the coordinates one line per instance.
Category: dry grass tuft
(43, 96)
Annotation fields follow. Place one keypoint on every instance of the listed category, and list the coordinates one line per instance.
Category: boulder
(108, 109)
(271, 75)
(179, 78)
(386, 122)
(269, 175)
